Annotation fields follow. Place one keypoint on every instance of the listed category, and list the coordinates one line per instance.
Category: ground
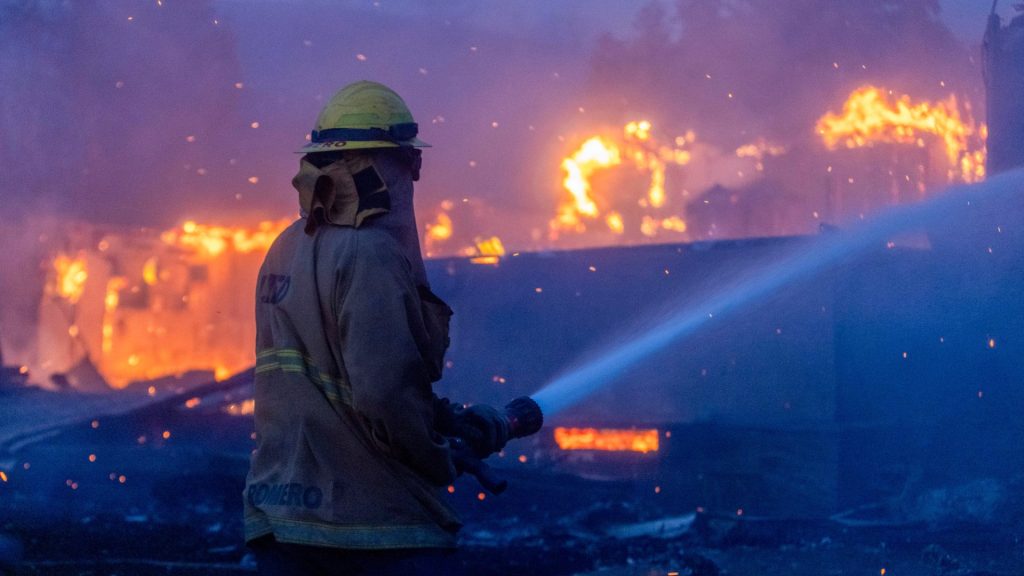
(158, 492)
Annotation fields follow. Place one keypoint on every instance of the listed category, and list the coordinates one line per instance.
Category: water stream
(754, 285)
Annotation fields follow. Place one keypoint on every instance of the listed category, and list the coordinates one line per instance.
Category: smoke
(739, 71)
(153, 113)
(20, 285)
(782, 63)
(111, 109)
(148, 114)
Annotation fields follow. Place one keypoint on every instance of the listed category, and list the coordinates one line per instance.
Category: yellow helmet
(364, 115)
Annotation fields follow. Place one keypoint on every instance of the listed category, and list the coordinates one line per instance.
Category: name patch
(293, 494)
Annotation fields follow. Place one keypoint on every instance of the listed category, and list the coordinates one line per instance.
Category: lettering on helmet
(292, 494)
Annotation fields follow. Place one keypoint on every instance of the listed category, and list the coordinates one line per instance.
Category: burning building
(126, 305)
(696, 160)
(123, 307)
(881, 149)
(129, 306)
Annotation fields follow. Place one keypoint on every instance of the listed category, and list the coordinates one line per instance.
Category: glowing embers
(636, 145)
(872, 115)
(214, 240)
(71, 274)
(607, 439)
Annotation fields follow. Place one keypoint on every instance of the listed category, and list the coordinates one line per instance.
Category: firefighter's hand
(461, 454)
(466, 462)
(484, 428)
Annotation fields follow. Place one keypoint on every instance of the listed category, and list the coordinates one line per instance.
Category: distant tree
(784, 63)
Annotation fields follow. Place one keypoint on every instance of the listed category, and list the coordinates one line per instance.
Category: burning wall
(144, 305)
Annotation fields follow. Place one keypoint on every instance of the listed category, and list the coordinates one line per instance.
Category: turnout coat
(347, 453)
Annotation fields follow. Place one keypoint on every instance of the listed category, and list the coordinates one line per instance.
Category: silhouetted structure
(1004, 80)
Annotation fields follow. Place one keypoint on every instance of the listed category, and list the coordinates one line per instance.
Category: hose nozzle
(524, 417)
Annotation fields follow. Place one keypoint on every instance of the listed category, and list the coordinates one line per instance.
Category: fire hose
(523, 418)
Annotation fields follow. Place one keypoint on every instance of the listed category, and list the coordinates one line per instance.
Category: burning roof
(874, 115)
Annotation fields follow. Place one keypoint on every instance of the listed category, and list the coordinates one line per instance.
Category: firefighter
(352, 449)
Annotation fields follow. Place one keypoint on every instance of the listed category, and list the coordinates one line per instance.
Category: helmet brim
(342, 145)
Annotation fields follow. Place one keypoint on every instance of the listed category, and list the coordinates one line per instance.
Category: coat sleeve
(381, 334)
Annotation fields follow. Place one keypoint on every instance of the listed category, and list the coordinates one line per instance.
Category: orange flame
(214, 240)
(174, 305)
(488, 250)
(110, 302)
(71, 276)
(651, 226)
(870, 116)
(600, 153)
(150, 272)
(607, 439)
(440, 230)
(593, 154)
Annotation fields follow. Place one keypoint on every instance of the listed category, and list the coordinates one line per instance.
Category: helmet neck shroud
(396, 168)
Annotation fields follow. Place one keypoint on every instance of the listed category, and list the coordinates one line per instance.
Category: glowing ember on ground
(607, 439)
(872, 115)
